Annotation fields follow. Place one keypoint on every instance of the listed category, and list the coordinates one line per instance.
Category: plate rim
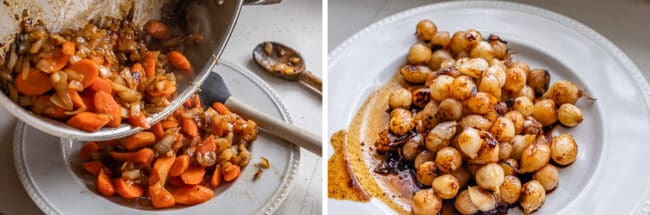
(269, 207)
(619, 56)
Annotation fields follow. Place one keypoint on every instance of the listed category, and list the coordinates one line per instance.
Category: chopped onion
(164, 144)
(104, 72)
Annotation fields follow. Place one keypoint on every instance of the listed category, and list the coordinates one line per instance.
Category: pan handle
(261, 2)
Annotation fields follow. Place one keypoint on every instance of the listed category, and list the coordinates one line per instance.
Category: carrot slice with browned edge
(88, 121)
(101, 84)
(121, 156)
(169, 123)
(216, 177)
(180, 165)
(93, 167)
(179, 61)
(143, 157)
(160, 169)
(231, 172)
(176, 181)
(149, 63)
(160, 197)
(157, 130)
(106, 104)
(67, 48)
(87, 149)
(192, 194)
(138, 120)
(88, 68)
(190, 128)
(193, 175)
(128, 189)
(77, 101)
(104, 185)
(89, 99)
(220, 108)
(37, 83)
(139, 140)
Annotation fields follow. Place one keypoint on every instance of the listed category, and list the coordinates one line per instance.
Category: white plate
(53, 177)
(611, 173)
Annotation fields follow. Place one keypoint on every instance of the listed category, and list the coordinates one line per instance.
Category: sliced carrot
(179, 61)
(138, 120)
(101, 84)
(190, 128)
(128, 189)
(149, 63)
(208, 145)
(105, 185)
(67, 48)
(88, 68)
(37, 83)
(220, 108)
(99, 60)
(192, 194)
(160, 170)
(87, 149)
(157, 130)
(176, 181)
(60, 60)
(93, 167)
(216, 177)
(106, 104)
(77, 101)
(88, 121)
(142, 157)
(193, 175)
(139, 140)
(160, 197)
(89, 99)
(169, 123)
(157, 29)
(230, 172)
(168, 89)
(180, 165)
(121, 156)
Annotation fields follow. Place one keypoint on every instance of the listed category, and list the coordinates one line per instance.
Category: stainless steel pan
(215, 19)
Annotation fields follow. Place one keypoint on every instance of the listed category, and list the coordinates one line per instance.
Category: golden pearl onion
(446, 186)
(569, 115)
(533, 196)
(399, 98)
(426, 202)
(564, 149)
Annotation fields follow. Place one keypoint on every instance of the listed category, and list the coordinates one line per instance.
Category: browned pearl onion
(441, 135)
(462, 87)
(482, 49)
(472, 67)
(499, 46)
(564, 149)
(532, 126)
(515, 79)
(526, 91)
(510, 166)
(475, 121)
(498, 68)
(545, 112)
(448, 159)
(535, 155)
(450, 63)
(419, 54)
(490, 176)
(503, 129)
(490, 84)
(463, 203)
(415, 74)
(484, 200)
(446, 186)
(462, 176)
(510, 190)
(569, 115)
(420, 97)
(469, 142)
(533, 196)
(399, 98)
(426, 202)
(547, 176)
(450, 110)
(425, 29)
(517, 120)
(522, 66)
(428, 115)
(562, 92)
(523, 105)
(440, 40)
(489, 151)
(473, 36)
(481, 103)
(424, 156)
(519, 143)
(539, 80)
(459, 42)
(505, 151)
(426, 172)
(401, 121)
(412, 147)
(440, 87)
(438, 57)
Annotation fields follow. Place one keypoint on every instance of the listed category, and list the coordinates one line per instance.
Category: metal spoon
(284, 62)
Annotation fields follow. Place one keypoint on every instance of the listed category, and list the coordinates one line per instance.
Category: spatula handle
(278, 128)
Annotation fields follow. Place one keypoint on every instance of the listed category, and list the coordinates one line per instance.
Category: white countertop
(294, 23)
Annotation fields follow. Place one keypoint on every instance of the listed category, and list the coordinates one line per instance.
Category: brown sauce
(356, 159)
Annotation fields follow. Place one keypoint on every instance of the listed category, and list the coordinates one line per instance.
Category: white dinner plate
(50, 170)
(611, 173)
